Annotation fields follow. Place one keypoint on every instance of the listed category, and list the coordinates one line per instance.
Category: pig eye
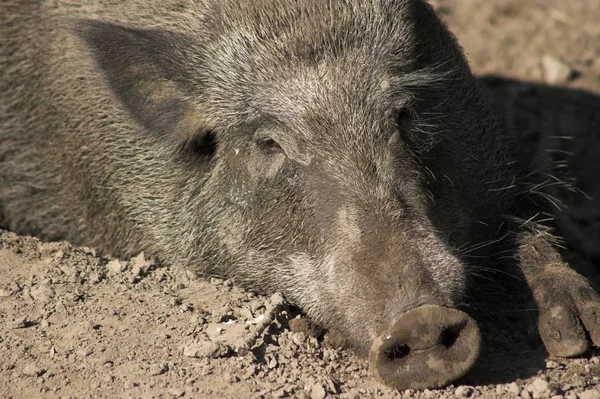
(269, 146)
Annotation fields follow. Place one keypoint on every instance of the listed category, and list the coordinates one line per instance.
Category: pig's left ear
(147, 71)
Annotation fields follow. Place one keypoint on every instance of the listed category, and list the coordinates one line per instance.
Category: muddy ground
(77, 324)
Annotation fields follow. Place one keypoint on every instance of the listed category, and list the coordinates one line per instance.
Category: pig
(339, 152)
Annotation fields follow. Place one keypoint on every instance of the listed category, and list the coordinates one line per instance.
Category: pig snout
(429, 346)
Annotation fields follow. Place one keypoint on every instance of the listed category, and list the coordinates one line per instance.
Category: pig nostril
(397, 351)
(450, 335)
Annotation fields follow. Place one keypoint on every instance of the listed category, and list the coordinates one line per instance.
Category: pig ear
(146, 71)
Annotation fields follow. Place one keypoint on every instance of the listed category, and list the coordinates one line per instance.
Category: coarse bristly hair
(339, 151)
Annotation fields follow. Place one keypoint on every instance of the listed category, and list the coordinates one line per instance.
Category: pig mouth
(426, 347)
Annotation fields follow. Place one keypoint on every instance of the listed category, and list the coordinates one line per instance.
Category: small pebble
(280, 393)
(115, 266)
(551, 364)
(32, 370)
(590, 394)
(84, 352)
(206, 349)
(191, 275)
(94, 277)
(249, 372)
(555, 71)
(317, 392)
(157, 369)
(463, 391)
(271, 361)
(539, 388)
(513, 388)
(140, 264)
(186, 307)
(21, 322)
(176, 392)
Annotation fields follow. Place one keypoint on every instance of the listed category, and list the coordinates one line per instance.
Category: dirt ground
(77, 324)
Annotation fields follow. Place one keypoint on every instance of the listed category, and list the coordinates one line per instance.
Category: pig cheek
(248, 172)
(230, 230)
(259, 193)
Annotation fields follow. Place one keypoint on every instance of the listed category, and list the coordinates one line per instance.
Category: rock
(157, 369)
(94, 277)
(513, 388)
(317, 392)
(20, 322)
(590, 394)
(191, 275)
(115, 266)
(32, 370)
(271, 361)
(141, 262)
(539, 388)
(42, 293)
(277, 299)
(330, 385)
(83, 352)
(250, 371)
(5, 293)
(525, 394)
(555, 71)
(551, 364)
(176, 392)
(463, 391)
(280, 393)
(206, 349)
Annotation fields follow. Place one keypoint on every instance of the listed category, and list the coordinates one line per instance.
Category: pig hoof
(569, 316)
(427, 347)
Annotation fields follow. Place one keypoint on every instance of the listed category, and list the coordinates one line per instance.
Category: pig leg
(569, 308)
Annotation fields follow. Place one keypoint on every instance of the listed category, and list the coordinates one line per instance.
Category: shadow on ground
(558, 129)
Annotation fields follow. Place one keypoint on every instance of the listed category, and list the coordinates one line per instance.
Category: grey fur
(134, 126)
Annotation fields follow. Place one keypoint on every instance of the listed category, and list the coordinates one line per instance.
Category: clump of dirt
(77, 324)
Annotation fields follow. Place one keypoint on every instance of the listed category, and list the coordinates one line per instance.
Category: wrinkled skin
(338, 152)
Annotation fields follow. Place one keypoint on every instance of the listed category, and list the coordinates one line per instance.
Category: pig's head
(338, 152)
